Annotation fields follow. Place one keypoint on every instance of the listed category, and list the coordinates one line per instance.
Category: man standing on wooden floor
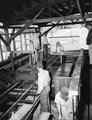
(43, 88)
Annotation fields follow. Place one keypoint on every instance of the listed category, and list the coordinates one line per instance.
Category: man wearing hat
(64, 104)
(43, 87)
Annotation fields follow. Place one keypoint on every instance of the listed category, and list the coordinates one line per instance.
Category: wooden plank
(1, 52)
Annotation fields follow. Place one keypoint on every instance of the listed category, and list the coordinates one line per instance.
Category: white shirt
(43, 79)
(66, 106)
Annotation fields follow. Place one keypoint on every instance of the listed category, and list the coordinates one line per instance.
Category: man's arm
(59, 109)
(40, 85)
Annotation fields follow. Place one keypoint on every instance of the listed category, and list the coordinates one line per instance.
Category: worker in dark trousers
(43, 88)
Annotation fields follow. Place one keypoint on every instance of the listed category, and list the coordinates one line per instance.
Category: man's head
(64, 92)
(89, 26)
(39, 66)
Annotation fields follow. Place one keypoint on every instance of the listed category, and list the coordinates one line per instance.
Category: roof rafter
(79, 7)
(55, 19)
(36, 7)
(3, 40)
(25, 26)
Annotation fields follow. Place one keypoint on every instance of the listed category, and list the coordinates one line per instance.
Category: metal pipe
(12, 107)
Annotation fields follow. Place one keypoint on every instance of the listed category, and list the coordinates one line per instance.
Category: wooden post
(7, 39)
(40, 42)
(1, 51)
(30, 59)
(21, 42)
(25, 42)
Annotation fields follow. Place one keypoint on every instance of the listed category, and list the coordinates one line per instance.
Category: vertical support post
(40, 42)
(90, 93)
(45, 47)
(30, 59)
(91, 4)
(1, 52)
(25, 42)
(7, 39)
(41, 47)
(12, 61)
(14, 46)
(21, 42)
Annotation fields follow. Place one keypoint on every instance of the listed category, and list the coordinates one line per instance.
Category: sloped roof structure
(22, 14)
(41, 12)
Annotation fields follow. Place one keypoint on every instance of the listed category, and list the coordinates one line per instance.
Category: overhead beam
(25, 26)
(53, 25)
(68, 23)
(91, 4)
(17, 27)
(64, 18)
(49, 29)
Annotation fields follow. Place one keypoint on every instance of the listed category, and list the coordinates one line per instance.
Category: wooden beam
(25, 26)
(7, 39)
(3, 40)
(64, 18)
(68, 23)
(1, 52)
(17, 27)
(52, 26)
(81, 13)
(91, 4)
(25, 40)
(21, 42)
(49, 29)
(13, 30)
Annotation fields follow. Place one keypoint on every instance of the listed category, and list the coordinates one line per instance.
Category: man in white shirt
(43, 88)
(64, 104)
